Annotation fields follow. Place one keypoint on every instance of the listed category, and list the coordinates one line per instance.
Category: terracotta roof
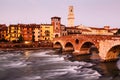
(22, 25)
(11, 25)
(55, 17)
(97, 28)
(86, 30)
(3, 25)
(46, 24)
(114, 29)
(73, 28)
(70, 27)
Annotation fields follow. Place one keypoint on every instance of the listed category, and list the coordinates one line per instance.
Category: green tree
(3, 40)
(33, 38)
(20, 38)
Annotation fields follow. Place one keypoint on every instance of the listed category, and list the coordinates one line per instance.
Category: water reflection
(118, 64)
(27, 54)
(111, 70)
(46, 65)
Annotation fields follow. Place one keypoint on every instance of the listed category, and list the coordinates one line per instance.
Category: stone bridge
(107, 45)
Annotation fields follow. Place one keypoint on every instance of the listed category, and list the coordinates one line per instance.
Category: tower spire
(71, 16)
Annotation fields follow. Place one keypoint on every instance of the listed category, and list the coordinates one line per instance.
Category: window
(47, 27)
(47, 34)
(14, 31)
(56, 35)
(77, 41)
(45, 39)
(56, 28)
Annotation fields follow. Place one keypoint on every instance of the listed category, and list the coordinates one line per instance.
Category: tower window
(56, 28)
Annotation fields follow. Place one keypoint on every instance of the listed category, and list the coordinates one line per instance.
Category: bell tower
(71, 16)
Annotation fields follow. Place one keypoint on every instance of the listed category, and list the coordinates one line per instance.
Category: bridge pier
(57, 47)
(76, 52)
(67, 49)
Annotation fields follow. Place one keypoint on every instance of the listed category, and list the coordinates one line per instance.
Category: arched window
(77, 41)
(56, 36)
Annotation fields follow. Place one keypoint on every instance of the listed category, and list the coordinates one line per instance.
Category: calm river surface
(44, 64)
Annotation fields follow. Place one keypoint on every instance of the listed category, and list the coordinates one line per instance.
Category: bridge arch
(85, 47)
(113, 53)
(58, 45)
(69, 46)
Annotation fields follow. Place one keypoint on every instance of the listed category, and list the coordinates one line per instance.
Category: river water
(45, 64)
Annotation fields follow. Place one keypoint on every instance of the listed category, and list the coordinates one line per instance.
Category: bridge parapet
(96, 37)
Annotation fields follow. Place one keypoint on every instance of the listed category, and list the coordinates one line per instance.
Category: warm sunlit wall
(14, 32)
(44, 29)
(37, 33)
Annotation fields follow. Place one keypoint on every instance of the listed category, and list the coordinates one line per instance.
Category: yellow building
(46, 32)
(36, 32)
(14, 32)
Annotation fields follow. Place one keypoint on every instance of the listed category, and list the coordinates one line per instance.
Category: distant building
(14, 32)
(86, 31)
(100, 31)
(3, 31)
(113, 30)
(63, 30)
(46, 32)
(36, 31)
(71, 16)
(73, 30)
(56, 23)
(97, 31)
(27, 32)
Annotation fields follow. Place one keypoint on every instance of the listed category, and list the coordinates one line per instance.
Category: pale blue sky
(87, 12)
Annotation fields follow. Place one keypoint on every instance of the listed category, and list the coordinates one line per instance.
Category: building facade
(14, 32)
(56, 23)
(46, 32)
(106, 30)
(36, 31)
(73, 30)
(3, 31)
(27, 32)
(63, 30)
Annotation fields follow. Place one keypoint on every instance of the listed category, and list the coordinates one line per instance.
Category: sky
(95, 13)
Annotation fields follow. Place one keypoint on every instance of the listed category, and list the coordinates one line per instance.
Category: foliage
(118, 32)
(3, 40)
(33, 38)
(20, 39)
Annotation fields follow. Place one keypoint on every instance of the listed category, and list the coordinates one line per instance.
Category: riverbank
(32, 48)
